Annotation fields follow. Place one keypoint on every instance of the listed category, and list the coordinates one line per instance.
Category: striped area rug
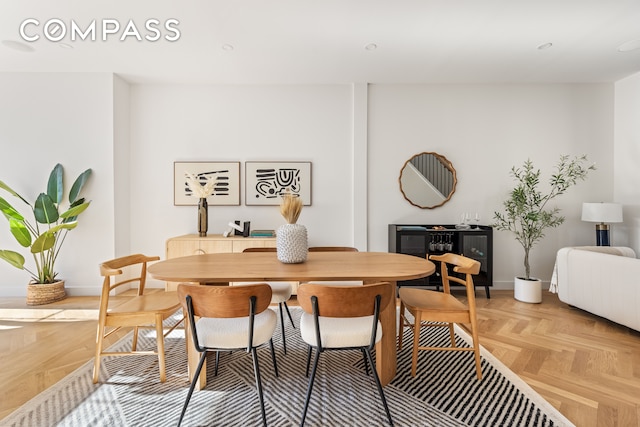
(444, 393)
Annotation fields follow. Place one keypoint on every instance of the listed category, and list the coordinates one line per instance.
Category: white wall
(239, 123)
(626, 160)
(484, 130)
(357, 140)
(49, 118)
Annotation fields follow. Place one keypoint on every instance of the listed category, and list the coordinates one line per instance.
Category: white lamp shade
(602, 212)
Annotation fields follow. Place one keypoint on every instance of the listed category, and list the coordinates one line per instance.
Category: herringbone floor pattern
(587, 367)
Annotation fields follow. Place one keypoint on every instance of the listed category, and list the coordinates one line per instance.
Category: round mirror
(427, 180)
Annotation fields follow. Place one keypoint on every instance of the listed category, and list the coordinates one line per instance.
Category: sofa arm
(561, 258)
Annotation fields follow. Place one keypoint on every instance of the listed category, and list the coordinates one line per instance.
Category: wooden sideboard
(192, 244)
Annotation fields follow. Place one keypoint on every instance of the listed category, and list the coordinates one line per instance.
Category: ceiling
(325, 41)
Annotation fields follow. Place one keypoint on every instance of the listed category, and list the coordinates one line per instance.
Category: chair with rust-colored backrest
(144, 310)
(229, 318)
(341, 318)
(280, 294)
(433, 308)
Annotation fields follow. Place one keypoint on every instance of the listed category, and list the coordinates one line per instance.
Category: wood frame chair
(230, 318)
(335, 249)
(140, 311)
(342, 318)
(280, 293)
(438, 309)
(332, 249)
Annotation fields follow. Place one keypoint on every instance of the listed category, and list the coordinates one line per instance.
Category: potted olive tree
(44, 235)
(527, 214)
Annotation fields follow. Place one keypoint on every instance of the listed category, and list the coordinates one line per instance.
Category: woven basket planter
(45, 293)
(291, 243)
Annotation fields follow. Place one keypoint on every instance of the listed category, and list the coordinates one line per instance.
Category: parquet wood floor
(587, 367)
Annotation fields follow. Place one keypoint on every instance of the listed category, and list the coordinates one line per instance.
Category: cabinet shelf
(423, 240)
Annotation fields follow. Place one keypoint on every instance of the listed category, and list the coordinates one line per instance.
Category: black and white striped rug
(444, 393)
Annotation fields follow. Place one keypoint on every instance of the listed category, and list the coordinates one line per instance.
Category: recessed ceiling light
(371, 46)
(544, 46)
(629, 46)
(227, 47)
(19, 46)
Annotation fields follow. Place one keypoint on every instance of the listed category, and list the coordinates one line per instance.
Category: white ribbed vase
(291, 243)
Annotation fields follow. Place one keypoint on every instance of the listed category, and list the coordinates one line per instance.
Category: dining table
(368, 267)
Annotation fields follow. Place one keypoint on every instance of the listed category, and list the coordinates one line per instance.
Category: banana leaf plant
(48, 230)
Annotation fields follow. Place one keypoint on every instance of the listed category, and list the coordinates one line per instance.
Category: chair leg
(193, 386)
(256, 370)
(452, 335)
(401, 326)
(160, 345)
(284, 339)
(476, 349)
(98, 356)
(306, 373)
(416, 342)
(215, 368)
(366, 363)
(134, 343)
(273, 357)
(379, 385)
(310, 387)
(289, 314)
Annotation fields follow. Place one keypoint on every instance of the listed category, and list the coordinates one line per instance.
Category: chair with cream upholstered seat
(342, 318)
(281, 293)
(144, 310)
(438, 309)
(230, 318)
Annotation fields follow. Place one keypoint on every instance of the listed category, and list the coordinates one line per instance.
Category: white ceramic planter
(527, 290)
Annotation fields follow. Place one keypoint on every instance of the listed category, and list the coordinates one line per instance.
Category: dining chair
(342, 318)
(144, 310)
(440, 309)
(335, 249)
(280, 293)
(229, 318)
(332, 249)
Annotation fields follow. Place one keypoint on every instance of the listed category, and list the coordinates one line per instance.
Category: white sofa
(602, 280)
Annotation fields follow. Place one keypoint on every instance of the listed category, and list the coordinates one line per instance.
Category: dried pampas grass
(290, 207)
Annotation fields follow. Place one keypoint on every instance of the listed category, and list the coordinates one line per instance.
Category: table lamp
(602, 213)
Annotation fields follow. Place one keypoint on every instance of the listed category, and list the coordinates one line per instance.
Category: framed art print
(267, 181)
(222, 177)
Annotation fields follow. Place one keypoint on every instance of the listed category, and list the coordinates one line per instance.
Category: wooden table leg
(386, 357)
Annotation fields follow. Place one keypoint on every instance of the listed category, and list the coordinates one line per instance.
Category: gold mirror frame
(427, 180)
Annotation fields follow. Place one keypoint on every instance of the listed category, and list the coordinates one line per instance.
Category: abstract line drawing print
(226, 182)
(272, 183)
(221, 186)
(266, 182)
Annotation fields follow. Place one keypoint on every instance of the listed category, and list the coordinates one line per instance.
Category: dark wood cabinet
(424, 240)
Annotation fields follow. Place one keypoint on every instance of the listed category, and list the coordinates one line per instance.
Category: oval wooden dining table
(222, 268)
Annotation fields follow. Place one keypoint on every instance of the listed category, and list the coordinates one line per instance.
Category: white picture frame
(226, 192)
(265, 182)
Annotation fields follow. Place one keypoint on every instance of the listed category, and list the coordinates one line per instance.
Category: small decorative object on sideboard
(202, 192)
(291, 238)
(45, 245)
